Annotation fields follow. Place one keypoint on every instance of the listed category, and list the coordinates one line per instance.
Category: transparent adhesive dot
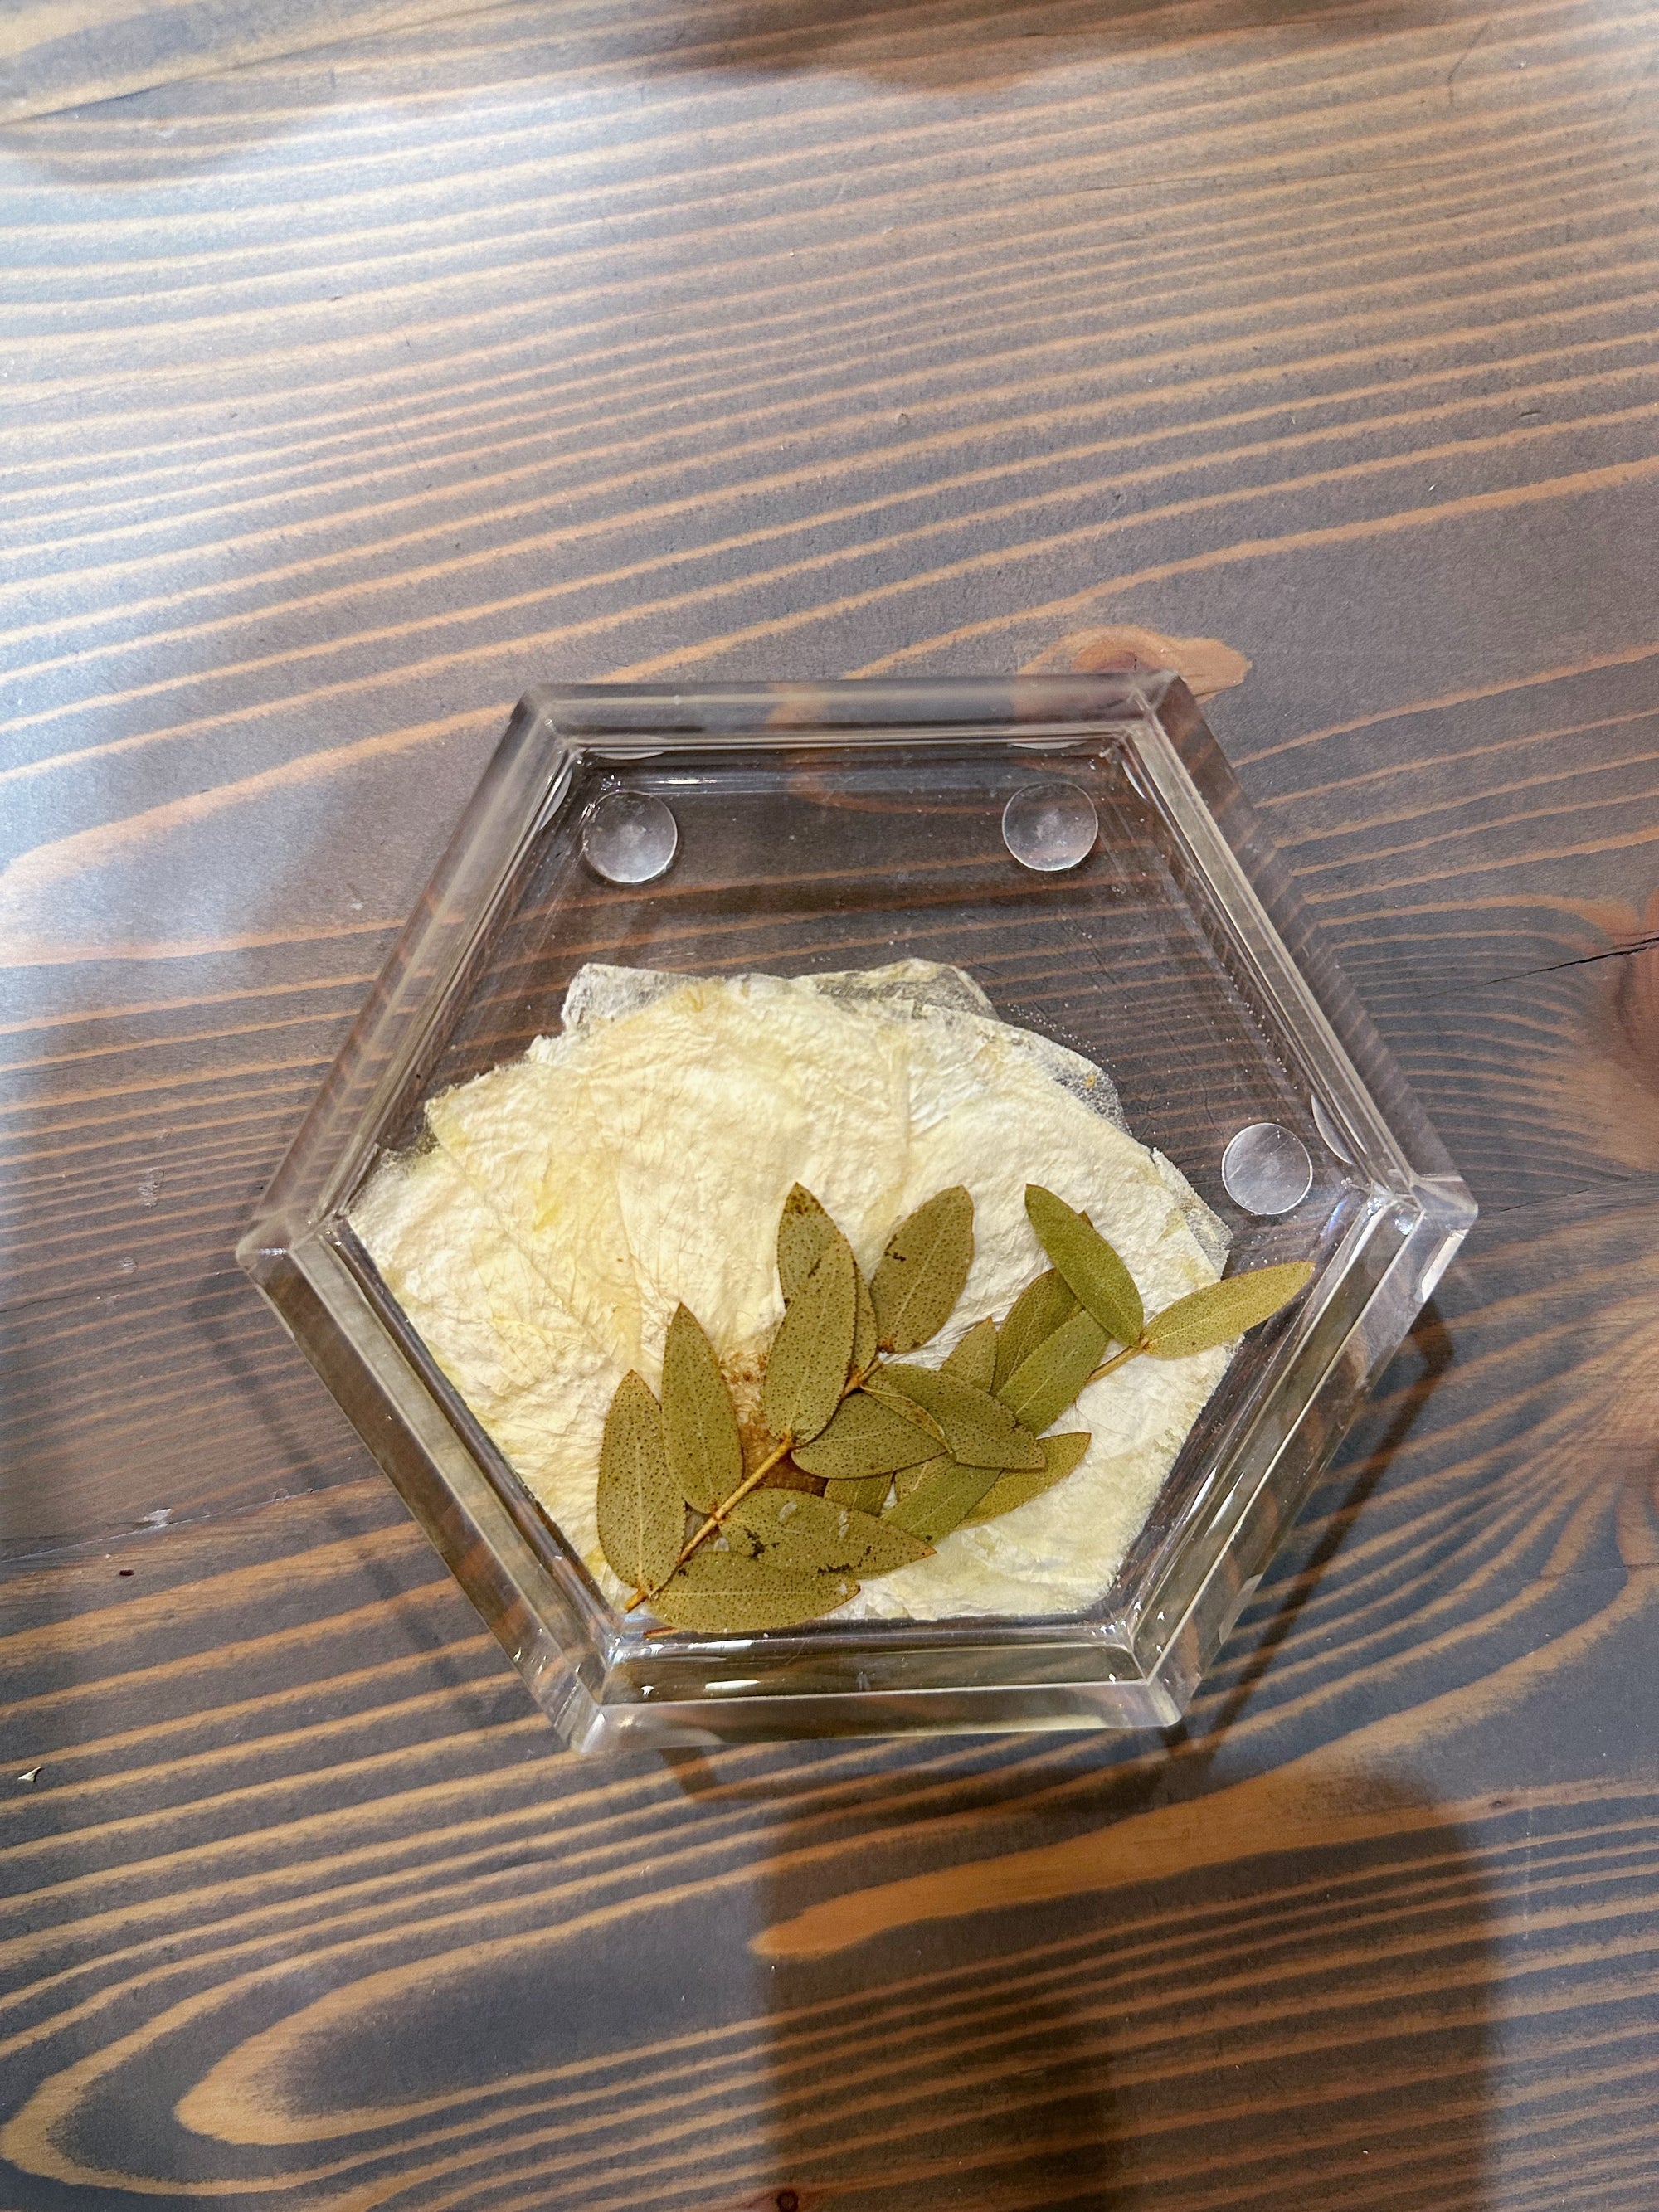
(1050, 826)
(1266, 1169)
(630, 837)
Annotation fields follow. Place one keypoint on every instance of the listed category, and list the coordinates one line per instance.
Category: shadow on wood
(1166, 2006)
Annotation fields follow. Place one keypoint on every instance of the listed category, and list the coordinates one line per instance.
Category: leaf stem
(750, 1482)
(1129, 1351)
(715, 1519)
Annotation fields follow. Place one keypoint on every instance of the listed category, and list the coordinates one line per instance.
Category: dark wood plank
(144, 1128)
(1081, 309)
(1485, 865)
(155, 1403)
(346, 395)
(63, 53)
(131, 1329)
(306, 1898)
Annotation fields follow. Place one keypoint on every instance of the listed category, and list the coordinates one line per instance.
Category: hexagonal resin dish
(691, 952)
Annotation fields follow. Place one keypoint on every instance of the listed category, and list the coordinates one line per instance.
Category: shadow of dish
(1381, 1435)
(952, 46)
(1100, 1974)
(997, 1973)
(1122, 1978)
(56, 61)
(1273, 1994)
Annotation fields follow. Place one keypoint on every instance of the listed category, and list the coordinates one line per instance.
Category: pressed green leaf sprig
(924, 1271)
(874, 1457)
(872, 1434)
(805, 1232)
(807, 1367)
(819, 1536)
(1223, 1310)
(1050, 1376)
(1047, 1301)
(641, 1515)
(729, 1594)
(974, 1359)
(699, 1424)
(977, 1429)
(1062, 1456)
(1090, 1269)
(942, 1498)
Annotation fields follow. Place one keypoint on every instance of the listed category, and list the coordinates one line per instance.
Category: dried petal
(923, 1270)
(978, 1429)
(1042, 1386)
(1062, 1456)
(726, 1593)
(806, 1368)
(1087, 1261)
(1038, 1312)
(1222, 1311)
(699, 1428)
(641, 1515)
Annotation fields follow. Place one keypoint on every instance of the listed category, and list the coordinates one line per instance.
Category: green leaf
(974, 1358)
(700, 1429)
(923, 1270)
(804, 1233)
(865, 1334)
(726, 1593)
(806, 1367)
(1222, 1311)
(978, 1429)
(1062, 1456)
(882, 1387)
(909, 1479)
(866, 1494)
(866, 1437)
(1103, 1283)
(1036, 1313)
(1042, 1386)
(785, 1475)
(942, 1498)
(641, 1514)
(802, 1534)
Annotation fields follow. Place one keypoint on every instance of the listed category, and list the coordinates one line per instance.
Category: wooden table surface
(344, 396)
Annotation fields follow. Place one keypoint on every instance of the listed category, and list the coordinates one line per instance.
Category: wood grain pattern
(63, 53)
(344, 397)
(309, 1904)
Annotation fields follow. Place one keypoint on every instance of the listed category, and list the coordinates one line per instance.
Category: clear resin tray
(1078, 847)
